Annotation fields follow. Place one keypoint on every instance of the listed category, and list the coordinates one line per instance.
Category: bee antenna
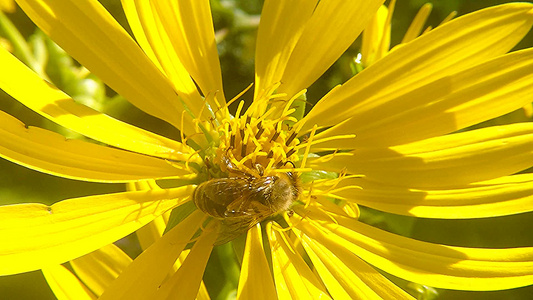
(290, 162)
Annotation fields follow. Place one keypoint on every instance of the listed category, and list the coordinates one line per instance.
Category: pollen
(257, 146)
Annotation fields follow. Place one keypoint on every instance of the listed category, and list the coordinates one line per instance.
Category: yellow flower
(386, 139)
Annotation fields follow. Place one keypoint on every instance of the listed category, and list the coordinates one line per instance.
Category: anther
(243, 149)
(275, 136)
(260, 131)
(291, 138)
(291, 152)
(270, 154)
(232, 141)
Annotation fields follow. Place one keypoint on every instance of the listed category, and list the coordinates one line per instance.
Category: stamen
(275, 136)
(308, 148)
(326, 158)
(290, 139)
(219, 107)
(232, 140)
(182, 123)
(239, 95)
(261, 100)
(327, 139)
(296, 170)
(243, 143)
(289, 103)
(260, 131)
(187, 161)
(239, 109)
(291, 152)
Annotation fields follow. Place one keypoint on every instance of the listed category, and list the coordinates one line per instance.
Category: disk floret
(256, 146)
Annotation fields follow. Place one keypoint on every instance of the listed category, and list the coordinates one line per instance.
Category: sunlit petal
(55, 105)
(146, 273)
(65, 285)
(157, 42)
(282, 23)
(293, 277)
(430, 61)
(444, 161)
(425, 263)
(475, 95)
(255, 281)
(344, 271)
(315, 53)
(35, 235)
(51, 153)
(90, 34)
(185, 283)
(499, 197)
(189, 26)
(100, 268)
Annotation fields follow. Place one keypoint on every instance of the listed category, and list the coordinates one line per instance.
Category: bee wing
(233, 227)
(251, 201)
(224, 191)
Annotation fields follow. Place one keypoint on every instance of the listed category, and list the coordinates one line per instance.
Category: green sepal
(311, 176)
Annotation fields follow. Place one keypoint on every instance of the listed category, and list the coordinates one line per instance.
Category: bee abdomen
(204, 197)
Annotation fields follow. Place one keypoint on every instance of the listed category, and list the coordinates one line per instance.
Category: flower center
(256, 146)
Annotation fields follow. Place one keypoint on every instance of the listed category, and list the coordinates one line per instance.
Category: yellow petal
(189, 26)
(202, 292)
(282, 23)
(155, 41)
(130, 10)
(35, 235)
(417, 24)
(100, 268)
(499, 197)
(444, 161)
(421, 262)
(8, 6)
(255, 281)
(333, 27)
(152, 231)
(421, 72)
(475, 95)
(354, 276)
(185, 283)
(146, 273)
(293, 278)
(52, 153)
(90, 34)
(66, 285)
(376, 37)
(58, 107)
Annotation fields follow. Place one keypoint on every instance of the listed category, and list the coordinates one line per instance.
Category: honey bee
(241, 202)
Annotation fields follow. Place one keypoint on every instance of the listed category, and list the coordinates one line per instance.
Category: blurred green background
(236, 22)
